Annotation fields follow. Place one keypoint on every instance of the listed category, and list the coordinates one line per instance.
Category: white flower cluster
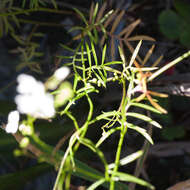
(33, 100)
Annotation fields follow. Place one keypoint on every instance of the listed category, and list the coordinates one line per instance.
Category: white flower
(38, 106)
(33, 99)
(61, 73)
(13, 122)
(28, 85)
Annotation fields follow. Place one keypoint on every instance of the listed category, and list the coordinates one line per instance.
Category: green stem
(85, 126)
(122, 135)
(83, 62)
(35, 10)
(63, 161)
(73, 119)
(50, 24)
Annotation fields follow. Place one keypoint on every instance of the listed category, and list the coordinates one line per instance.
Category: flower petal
(29, 85)
(61, 73)
(13, 122)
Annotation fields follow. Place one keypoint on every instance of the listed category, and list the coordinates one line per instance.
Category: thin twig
(62, 141)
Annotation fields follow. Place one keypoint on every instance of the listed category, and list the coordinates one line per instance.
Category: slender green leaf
(67, 47)
(103, 30)
(92, 38)
(94, 13)
(82, 16)
(90, 144)
(113, 63)
(167, 66)
(141, 131)
(100, 80)
(145, 106)
(105, 135)
(94, 54)
(84, 89)
(135, 54)
(112, 70)
(96, 184)
(106, 16)
(89, 55)
(145, 118)
(144, 69)
(122, 55)
(127, 159)
(104, 53)
(77, 28)
(81, 170)
(129, 178)
(96, 39)
(106, 115)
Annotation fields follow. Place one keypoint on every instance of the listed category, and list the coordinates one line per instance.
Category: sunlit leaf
(146, 106)
(142, 132)
(94, 13)
(144, 118)
(135, 54)
(96, 184)
(105, 135)
(129, 178)
(128, 159)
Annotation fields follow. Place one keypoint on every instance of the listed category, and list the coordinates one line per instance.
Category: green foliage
(92, 71)
(170, 24)
(175, 24)
(174, 132)
(6, 7)
(37, 3)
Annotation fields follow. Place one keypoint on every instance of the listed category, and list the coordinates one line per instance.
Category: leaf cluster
(93, 71)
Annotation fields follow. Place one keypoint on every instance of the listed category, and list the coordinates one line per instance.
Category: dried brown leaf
(156, 105)
(91, 12)
(157, 61)
(127, 30)
(132, 50)
(102, 40)
(140, 37)
(147, 56)
(161, 95)
(101, 11)
(117, 21)
(132, 26)
(111, 17)
(112, 49)
(122, 48)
